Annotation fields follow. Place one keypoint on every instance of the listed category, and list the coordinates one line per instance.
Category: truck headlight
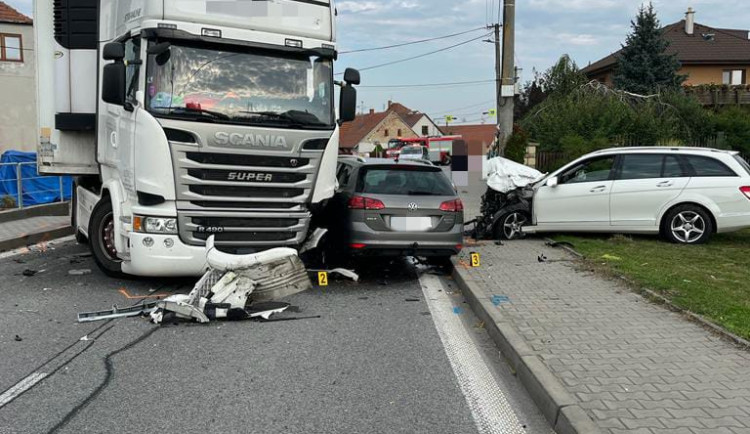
(155, 225)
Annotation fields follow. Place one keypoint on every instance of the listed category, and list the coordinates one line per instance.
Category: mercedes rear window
(743, 163)
(708, 167)
(404, 181)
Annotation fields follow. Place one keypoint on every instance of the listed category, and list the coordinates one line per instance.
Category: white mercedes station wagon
(684, 194)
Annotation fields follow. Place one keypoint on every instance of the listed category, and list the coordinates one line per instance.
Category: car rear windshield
(404, 181)
(743, 163)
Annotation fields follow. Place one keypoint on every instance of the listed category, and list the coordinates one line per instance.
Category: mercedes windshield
(240, 85)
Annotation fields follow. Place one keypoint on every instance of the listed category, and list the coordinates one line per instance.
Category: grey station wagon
(396, 208)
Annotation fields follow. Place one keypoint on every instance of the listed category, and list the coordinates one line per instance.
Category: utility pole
(506, 73)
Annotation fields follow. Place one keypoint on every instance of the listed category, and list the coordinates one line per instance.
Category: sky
(587, 30)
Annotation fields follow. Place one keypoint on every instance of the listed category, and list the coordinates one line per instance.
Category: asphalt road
(388, 354)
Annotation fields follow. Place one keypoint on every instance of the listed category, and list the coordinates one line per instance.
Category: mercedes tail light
(359, 202)
(745, 191)
(452, 206)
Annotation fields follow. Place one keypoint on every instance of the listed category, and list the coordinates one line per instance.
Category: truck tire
(101, 239)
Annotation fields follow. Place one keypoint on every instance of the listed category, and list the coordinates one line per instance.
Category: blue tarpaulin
(37, 189)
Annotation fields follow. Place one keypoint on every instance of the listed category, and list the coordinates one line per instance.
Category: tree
(561, 79)
(643, 67)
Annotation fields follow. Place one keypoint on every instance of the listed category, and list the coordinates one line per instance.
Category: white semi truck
(183, 119)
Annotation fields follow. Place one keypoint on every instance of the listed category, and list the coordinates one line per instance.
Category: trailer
(185, 119)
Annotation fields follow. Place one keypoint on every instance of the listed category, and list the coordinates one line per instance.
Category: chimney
(690, 21)
(372, 111)
(390, 103)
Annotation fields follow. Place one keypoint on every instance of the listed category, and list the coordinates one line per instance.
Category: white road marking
(20, 387)
(490, 408)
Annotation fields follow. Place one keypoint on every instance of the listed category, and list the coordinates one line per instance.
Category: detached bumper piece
(235, 287)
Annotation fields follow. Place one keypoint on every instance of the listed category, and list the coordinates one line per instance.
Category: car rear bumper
(366, 242)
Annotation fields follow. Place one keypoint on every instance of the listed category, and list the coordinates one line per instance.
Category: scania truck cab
(183, 119)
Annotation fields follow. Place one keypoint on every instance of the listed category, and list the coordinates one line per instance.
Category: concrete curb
(53, 209)
(34, 238)
(559, 407)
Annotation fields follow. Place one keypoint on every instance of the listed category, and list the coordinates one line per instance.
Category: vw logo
(294, 162)
(413, 206)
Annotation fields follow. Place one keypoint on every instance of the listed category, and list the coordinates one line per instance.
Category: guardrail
(16, 201)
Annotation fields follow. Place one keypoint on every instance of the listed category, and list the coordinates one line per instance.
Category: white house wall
(18, 89)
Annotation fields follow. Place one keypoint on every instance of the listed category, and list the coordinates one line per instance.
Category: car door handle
(665, 184)
(599, 189)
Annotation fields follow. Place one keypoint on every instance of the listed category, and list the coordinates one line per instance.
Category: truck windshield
(241, 87)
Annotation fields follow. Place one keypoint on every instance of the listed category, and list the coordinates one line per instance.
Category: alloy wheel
(688, 227)
(513, 224)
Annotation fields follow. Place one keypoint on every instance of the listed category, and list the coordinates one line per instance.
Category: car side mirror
(553, 182)
(347, 104)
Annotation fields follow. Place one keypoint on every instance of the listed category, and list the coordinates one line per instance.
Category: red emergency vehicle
(440, 148)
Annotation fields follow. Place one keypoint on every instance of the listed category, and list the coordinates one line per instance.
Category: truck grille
(240, 192)
(244, 229)
(246, 160)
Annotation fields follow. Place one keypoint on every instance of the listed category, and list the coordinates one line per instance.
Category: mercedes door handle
(599, 189)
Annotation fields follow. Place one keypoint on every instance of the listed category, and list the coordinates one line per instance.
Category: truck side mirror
(114, 51)
(553, 182)
(351, 76)
(347, 104)
(113, 83)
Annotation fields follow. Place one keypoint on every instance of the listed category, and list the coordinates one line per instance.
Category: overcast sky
(586, 29)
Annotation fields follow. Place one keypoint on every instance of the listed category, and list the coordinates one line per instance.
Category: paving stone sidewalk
(635, 366)
(33, 229)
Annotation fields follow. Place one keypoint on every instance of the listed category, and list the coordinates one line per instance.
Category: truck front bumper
(157, 260)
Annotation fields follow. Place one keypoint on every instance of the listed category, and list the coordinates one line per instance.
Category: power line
(421, 55)
(421, 41)
(396, 86)
(462, 108)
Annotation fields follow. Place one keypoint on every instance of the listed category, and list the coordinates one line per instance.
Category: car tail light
(358, 246)
(452, 206)
(745, 191)
(359, 202)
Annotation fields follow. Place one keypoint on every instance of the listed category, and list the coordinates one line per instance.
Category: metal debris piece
(29, 272)
(117, 312)
(82, 272)
(349, 274)
(313, 240)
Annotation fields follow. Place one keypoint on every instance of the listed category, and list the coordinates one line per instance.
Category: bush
(734, 122)
(594, 117)
(7, 202)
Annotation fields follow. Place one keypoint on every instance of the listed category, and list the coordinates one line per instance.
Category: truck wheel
(510, 225)
(102, 239)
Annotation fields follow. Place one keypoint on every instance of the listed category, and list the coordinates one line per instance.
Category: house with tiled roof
(17, 81)
(419, 122)
(708, 55)
(398, 121)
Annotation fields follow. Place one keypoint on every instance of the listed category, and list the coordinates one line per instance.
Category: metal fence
(15, 200)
